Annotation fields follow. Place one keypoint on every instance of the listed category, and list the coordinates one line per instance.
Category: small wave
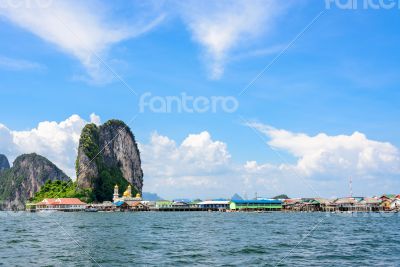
(252, 250)
(14, 241)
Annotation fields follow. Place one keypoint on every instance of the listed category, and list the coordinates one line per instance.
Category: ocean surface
(199, 239)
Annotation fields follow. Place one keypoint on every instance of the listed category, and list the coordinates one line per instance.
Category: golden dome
(116, 186)
(128, 192)
(138, 195)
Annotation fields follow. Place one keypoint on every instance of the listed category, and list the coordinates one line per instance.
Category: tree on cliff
(108, 155)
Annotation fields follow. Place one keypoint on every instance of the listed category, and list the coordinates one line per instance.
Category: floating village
(127, 202)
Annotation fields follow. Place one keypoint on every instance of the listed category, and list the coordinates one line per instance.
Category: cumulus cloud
(194, 166)
(324, 163)
(58, 141)
(353, 154)
(200, 166)
(221, 26)
(75, 28)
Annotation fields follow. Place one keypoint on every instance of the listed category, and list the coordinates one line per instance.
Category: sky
(250, 97)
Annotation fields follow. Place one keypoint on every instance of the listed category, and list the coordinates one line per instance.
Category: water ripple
(199, 239)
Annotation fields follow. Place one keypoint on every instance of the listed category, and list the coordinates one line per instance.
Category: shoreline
(208, 211)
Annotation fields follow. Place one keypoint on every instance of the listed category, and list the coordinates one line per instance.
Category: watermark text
(362, 4)
(185, 103)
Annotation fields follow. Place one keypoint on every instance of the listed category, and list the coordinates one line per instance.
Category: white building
(60, 204)
(214, 204)
(126, 196)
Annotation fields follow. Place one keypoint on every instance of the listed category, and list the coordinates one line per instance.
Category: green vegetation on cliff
(9, 182)
(118, 123)
(88, 141)
(103, 185)
(109, 177)
(27, 175)
(4, 164)
(62, 189)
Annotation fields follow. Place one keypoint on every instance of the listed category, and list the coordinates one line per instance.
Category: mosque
(126, 196)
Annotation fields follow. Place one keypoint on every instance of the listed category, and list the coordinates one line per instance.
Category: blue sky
(341, 76)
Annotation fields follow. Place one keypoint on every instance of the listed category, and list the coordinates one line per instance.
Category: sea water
(199, 239)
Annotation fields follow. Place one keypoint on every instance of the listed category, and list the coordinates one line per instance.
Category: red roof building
(60, 204)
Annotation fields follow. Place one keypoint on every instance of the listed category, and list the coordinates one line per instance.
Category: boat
(91, 209)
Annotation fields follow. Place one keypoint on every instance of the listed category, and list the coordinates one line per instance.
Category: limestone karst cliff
(20, 182)
(4, 164)
(108, 155)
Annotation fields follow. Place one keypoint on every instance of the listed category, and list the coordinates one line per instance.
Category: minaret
(116, 194)
(129, 189)
(351, 187)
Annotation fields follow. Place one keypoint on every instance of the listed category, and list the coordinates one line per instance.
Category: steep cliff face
(4, 164)
(28, 173)
(108, 155)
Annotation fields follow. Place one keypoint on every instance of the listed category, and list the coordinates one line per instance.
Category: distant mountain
(186, 200)
(236, 197)
(28, 173)
(282, 196)
(108, 155)
(4, 164)
(151, 196)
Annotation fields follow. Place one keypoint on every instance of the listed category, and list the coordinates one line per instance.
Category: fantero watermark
(25, 3)
(362, 4)
(185, 103)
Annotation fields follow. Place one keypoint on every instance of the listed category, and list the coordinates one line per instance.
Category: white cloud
(95, 119)
(221, 26)
(324, 163)
(353, 154)
(198, 154)
(56, 141)
(87, 30)
(202, 167)
(83, 31)
(193, 167)
(18, 64)
(259, 52)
